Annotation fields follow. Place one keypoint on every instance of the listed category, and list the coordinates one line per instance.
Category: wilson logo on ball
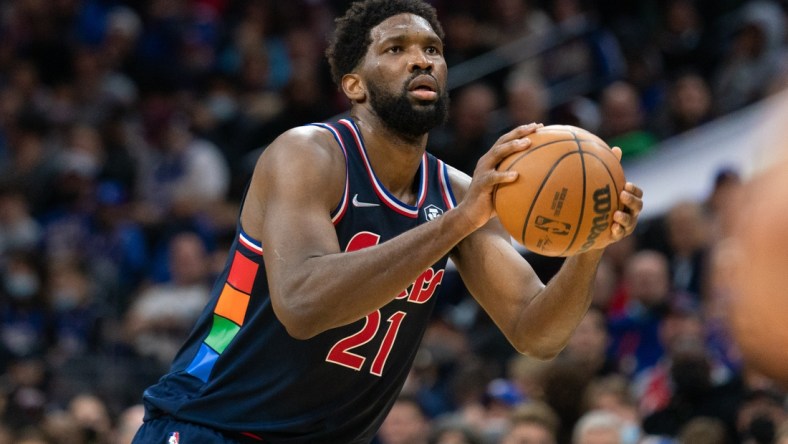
(601, 210)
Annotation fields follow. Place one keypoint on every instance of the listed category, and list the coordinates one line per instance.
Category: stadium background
(128, 130)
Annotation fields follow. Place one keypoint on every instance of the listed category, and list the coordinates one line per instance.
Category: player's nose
(418, 60)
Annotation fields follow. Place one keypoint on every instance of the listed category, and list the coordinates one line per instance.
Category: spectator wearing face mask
(23, 317)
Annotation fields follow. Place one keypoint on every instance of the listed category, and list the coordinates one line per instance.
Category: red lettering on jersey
(362, 240)
(425, 286)
(422, 289)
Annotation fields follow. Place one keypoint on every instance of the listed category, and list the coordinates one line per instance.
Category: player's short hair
(352, 34)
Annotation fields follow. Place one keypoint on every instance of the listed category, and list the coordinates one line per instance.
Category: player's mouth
(424, 87)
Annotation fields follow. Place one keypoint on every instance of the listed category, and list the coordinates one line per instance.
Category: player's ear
(354, 88)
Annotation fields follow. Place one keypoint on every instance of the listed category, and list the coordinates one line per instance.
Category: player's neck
(394, 158)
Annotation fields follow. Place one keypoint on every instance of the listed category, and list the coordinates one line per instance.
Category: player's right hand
(478, 201)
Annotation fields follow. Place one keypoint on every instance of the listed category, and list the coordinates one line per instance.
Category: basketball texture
(568, 188)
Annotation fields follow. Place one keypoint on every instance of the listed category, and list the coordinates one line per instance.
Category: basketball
(563, 200)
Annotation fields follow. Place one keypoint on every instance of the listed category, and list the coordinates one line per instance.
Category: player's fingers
(519, 132)
(496, 177)
(500, 151)
(618, 231)
(504, 150)
(632, 202)
(634, 189)
(625, 220)
(617, 152)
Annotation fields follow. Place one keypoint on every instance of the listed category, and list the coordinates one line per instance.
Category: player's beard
(404, 117)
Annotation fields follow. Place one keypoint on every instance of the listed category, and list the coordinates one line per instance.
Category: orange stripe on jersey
(232, 304)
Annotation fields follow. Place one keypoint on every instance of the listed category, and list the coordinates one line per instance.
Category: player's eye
(433, 50)
(394, 49)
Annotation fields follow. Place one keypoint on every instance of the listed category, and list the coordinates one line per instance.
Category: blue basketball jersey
(240, 371)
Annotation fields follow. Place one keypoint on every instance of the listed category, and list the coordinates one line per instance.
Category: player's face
(406, 75)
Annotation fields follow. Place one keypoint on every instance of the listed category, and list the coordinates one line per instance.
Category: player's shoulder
(310, 143)
(306, 137)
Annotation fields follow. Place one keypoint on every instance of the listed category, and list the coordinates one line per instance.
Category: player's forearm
(551, 315)
(336, 289)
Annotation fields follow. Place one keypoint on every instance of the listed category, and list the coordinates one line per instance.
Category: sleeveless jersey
(239, 370)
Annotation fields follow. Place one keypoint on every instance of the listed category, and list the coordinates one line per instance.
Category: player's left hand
(625, 220)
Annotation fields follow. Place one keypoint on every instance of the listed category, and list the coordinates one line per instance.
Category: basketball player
(343, 237)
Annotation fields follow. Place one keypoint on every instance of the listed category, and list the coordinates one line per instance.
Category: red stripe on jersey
(242, 273)
(249, 243)
(343, 205)
(380, 190)
(443, 178)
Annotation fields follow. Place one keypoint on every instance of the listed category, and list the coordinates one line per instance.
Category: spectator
(653, 385)
(688, 236)
(532, 423)
(26, 388)
(129, 421)
(694, 395)
(31, 166)
(589, 343)
(516, 19)
(612, 394)
(589, 49)
(623, 121)
(703, 430)
(528, 375)
(451, 431)
(782, 433)
(189, 177)
(466, 32)
(564, 385)
(92, 415)
(598, 427)
(752, 59)
(759, 415)
(406, 423)
(689, 105)
(18, 229)
(469, 128)
(527, 100)
(24, 329)
(683, 40)
(162, 315)
(76, 315)
(635, 334)
(62, 428)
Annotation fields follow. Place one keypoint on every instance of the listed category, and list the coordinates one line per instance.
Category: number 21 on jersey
(421, 291)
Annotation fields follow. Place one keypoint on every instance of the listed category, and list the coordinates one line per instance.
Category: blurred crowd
(128, 130)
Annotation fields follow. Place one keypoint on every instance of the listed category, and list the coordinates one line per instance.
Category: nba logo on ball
(431, 212)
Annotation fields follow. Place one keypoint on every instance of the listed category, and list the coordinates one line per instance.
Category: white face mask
(65, 300)
(22, 286)
(630, 433)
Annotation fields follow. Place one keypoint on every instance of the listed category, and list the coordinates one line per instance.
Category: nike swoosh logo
(356, 203)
